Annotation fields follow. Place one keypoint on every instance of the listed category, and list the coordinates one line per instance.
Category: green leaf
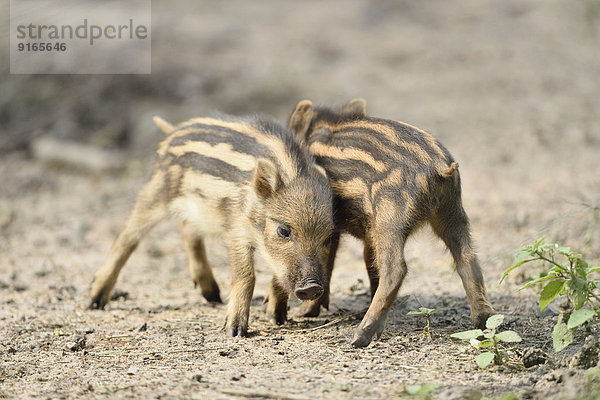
(522, 252)
(558, 269)
(564, 250)
(536, 281)
(494, 321)
(474, 343)
(516, 265)
(539, 242)
(580, 316)
(509, 396)
(562, 336)
(485, 343)
(593, 269)
(484, 359)
(412, 389)
(424, 311)
(509, 336)
(429, 311)
(578, 292)
(550, 291)
(581, 268)
(423, 391)
(467, 335)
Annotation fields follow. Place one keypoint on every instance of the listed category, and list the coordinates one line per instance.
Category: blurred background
(511, 87)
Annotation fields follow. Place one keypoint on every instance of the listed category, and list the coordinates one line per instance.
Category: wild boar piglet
(249, 181)
(388, 177)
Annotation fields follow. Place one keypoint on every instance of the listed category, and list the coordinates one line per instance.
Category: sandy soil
(510, 87)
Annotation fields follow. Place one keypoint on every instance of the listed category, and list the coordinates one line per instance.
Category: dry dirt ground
(512, 88)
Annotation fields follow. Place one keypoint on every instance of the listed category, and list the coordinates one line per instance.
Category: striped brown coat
(250, 182)
(388, 177)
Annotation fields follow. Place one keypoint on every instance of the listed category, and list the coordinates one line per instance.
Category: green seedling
(422, 391)
(567, 274)
(491, 345)
(427, 313)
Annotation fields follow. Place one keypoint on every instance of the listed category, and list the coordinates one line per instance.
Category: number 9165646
(42, 47)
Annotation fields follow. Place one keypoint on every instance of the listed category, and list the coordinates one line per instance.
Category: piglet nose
(310, 291)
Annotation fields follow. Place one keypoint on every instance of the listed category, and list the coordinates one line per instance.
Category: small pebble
(132, 370)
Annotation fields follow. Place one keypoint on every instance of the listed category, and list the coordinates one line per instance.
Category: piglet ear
(266, 179)
(357, 106)
(301, 118)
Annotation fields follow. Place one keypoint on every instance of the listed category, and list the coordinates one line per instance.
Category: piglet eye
(284, 232)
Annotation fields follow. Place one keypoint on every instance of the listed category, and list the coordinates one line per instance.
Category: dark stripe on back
(403, 158)
(362, 138)
(406, 132)
(211, 166)
(214, 135)
(345, 170)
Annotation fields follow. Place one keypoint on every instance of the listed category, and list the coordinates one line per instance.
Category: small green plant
(419, 391)
(314, 364)
(506, 396)
(491, 344)
(567, 274)
(427, 313)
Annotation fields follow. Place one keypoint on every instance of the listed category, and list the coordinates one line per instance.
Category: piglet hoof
(366, 330)
(210, 291)
(236, 325)
(98, 302)
(277, 319)
(277, 312)
(213, 296)
(310, 309)
(237, 331)
(361, 339)
(479, 318)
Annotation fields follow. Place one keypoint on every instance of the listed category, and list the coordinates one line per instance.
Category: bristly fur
(249, 181)
(388, 178)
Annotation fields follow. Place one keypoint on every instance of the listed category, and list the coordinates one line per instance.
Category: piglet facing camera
(248, 181)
